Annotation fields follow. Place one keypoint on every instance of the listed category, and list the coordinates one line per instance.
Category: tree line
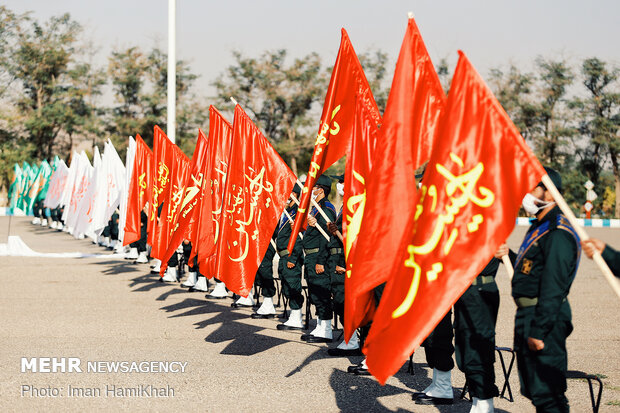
(51, 93)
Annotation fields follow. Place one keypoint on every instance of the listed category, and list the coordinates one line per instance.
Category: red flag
(478, 173)
(206, 234)
(162, 150)
(257, 187)
(357, 171)
(184, 197)
(140, 192)
(413, 108)
(192, 197)
(179, 174)
(348, 83)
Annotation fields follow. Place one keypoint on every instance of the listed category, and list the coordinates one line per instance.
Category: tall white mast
(172, 78)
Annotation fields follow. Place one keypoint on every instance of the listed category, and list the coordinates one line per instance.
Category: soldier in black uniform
(544, 271)
(317, 253)
(610, 255)
(290, 265)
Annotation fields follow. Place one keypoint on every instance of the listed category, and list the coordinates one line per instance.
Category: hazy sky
(492, 32)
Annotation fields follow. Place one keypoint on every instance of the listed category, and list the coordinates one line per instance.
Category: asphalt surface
(111, 310)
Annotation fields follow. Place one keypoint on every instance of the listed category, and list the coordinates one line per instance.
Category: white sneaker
(36, 221)
(442, 385)
(142, 258)
(118, 248)
(294, 319)
(326, 330)
(482, 406)
(353, 344)
(318, 330)
(201, 285)
(245, 301)
(155, 263)
(266, 307)
(44, 222)
(157, 268)
(219, 291)
(170, 275)
(191, 280)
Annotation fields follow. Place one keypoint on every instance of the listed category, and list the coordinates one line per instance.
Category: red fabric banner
(348, 83)
(162, 151)
(140, 192)
(357, 170)
(257, 187)
(479, 171)
(411, 115)
(179, 179)
(206, 234)
(192, 197)
(179, 174)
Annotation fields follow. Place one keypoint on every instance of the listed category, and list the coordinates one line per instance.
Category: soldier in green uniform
(544, 271)
(475, 315)
(140, 245)
(290, 265)
(114, 229)
(317, 253)
(610, 255)
(337, 269)
(439, 349)
(264, 279)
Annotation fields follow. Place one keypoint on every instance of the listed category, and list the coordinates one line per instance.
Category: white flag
(129, 159)
(57, 185)
(80, 188)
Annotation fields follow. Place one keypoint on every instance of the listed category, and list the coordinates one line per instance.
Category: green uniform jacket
(546, 271)
(313, 238)
(284, 234)
(612, 258)
(334, 242)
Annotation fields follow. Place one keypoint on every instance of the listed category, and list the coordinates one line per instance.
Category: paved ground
(111, 310)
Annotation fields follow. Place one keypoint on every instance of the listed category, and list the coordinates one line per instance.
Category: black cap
(296, 190)
(339, 178)
(555, 178)
(325, 181)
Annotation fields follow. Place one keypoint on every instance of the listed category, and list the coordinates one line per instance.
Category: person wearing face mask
(545, 268)
(316, 256)
(290, 265)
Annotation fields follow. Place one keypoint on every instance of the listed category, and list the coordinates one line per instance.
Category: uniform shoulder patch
(526, 266)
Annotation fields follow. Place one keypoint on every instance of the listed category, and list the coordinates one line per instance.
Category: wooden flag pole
(508, 265)
(291, 219)
(598, 259)
(317, 226)
(323, 214)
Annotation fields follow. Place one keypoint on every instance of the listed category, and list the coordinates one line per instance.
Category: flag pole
(318, 226)
(323, 214)
(508, 265)
(291, 218)
(598, 259)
